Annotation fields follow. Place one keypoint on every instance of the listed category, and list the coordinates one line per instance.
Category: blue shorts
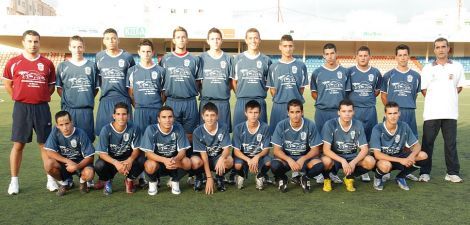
(295, 158)
(213, 161)
(368, 117)
(408, 116)
(66, 175)
(106, 111)
(397, 165)
(223, 106)
(262, 161)
(185, 113)
(278, 113)
(83, 119)
(29, 117)
(144, 117)
(323, 115)
(348, 157)
(239, 112)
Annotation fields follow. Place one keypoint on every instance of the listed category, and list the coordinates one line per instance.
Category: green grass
(437, 202)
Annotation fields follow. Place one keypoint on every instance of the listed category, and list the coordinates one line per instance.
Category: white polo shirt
(440, 83)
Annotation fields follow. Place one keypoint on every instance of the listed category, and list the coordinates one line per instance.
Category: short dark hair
(210, 107)
(441, 39)
(286, 37)
(214, 30)
(391, 105)
(295, 102)
(32, 33)
(121, 105)
(363, 49)
(345, 102)
(252, 104)
(252, 30)
(179, 28)
(329, 46)
(62, 114)
(165, 108)
(76, 38)
(145, 42)
(110, 31)
(402, 47)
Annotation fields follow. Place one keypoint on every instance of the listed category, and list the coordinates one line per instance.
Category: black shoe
(220, 184)
(158, 182)
(197, 184)
(143, 184)
(231, 178)
(296, 179)
(282, 185)
(267, 180)
(305, 184)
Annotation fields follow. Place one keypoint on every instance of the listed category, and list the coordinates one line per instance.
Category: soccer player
(342, 137)
(365, 87)
(391, 142)
(249, 77)
(296, 143)
(251, 146)
(77, 86)
(118, 151)
(212, 141)
(402, 85)
(70, 152)
(112, 64)
(442, 82)
(165, 146)
(145, 85)
(29, 79)
(180, 86)
(329, 84)
(214, 73)
(286, 81)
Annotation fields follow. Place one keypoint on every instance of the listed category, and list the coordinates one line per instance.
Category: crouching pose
(70, 152)
(342, 137)
(118, 151)
(296, 143)
(251, 146)
(392, 141)
(165, 145)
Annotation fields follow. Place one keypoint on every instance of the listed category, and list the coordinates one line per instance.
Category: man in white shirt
(442, 81)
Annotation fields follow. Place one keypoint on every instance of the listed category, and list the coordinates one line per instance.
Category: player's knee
(276, 165)
(88, 173)
(384, 165)
(186, 163)
(150, 166)
(313, 162)
(327, 162)
(196, 162)
(422, 156)
(228, 162)
(238, 166)
(368, 162)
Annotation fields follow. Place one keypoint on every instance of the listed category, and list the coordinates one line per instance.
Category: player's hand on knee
(346, 168)
(294, 166)
(170, 164)
(220, 167)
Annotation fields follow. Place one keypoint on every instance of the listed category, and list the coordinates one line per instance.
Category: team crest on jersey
(154, 75)
(220, 137)
(73, 143)
(397, 138)
(259, 64)
(339, 74)
(451, 76)
(186, 62)
(303, 136)
(294, 69)
(40, 67)
(126, 136)
(409, 78)
(259, 137)
(353, 134)
(371, 77)
(87, 70)
(223, 64)
(121, 62)
(173, 136)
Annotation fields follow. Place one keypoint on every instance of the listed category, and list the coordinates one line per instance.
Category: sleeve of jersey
(96, 77)
(8, 71)
(270, 82)
(130, 78)
(461, 76)
(277, 137)
(374, 142)
(52, 75)
(183, 142)
(313, 82)
(103, 145)
(347, 83)
(233, 74)
(362, 139)
(327, 132)
(200, 72)
(131, 61)
(58, 81)
(146, 142)
(226, 140)
(384, 86)
(230, 66)
(51, 142)
(418, 81)
(411, 139)
(87, 148)
(198, 146)
(137, 138)
(304, 76)
(378, 84)
(236, 139)
(426, 76)
(266, 138)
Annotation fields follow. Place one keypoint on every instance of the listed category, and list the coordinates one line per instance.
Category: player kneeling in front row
(118, 151)
(251, 146)
(165, 145)
(342, 137)
(388, 140)
(296, 143)
(70, 152)
(212, 141)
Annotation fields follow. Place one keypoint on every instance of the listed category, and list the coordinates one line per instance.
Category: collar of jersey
(70, 134)
(388, 132)
(216, 129)
(158, 126)
(147, 68)
(364, 71)
(120, 53)
(326, 68)
(81, 63)
(180, 56)
(302, 125)
(32, 60)
(257, 128)
(250, 56)
(216, 58)
(293, 60)
(125, 128)
(402, 72)
(342, 128)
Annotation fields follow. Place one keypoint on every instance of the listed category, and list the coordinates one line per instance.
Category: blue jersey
(402, 88)
(164, 144)
(78, 82)
(249, 143)
(296, 142)
(215, 75)
(392, 144)
(331, 86)
(119, 145)
(147, 85)
(342, 141)
(287, 79)
(75, 147)
(213, 144)
(180, 75)
(112, 71)
(251, 74)
(364, 84)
